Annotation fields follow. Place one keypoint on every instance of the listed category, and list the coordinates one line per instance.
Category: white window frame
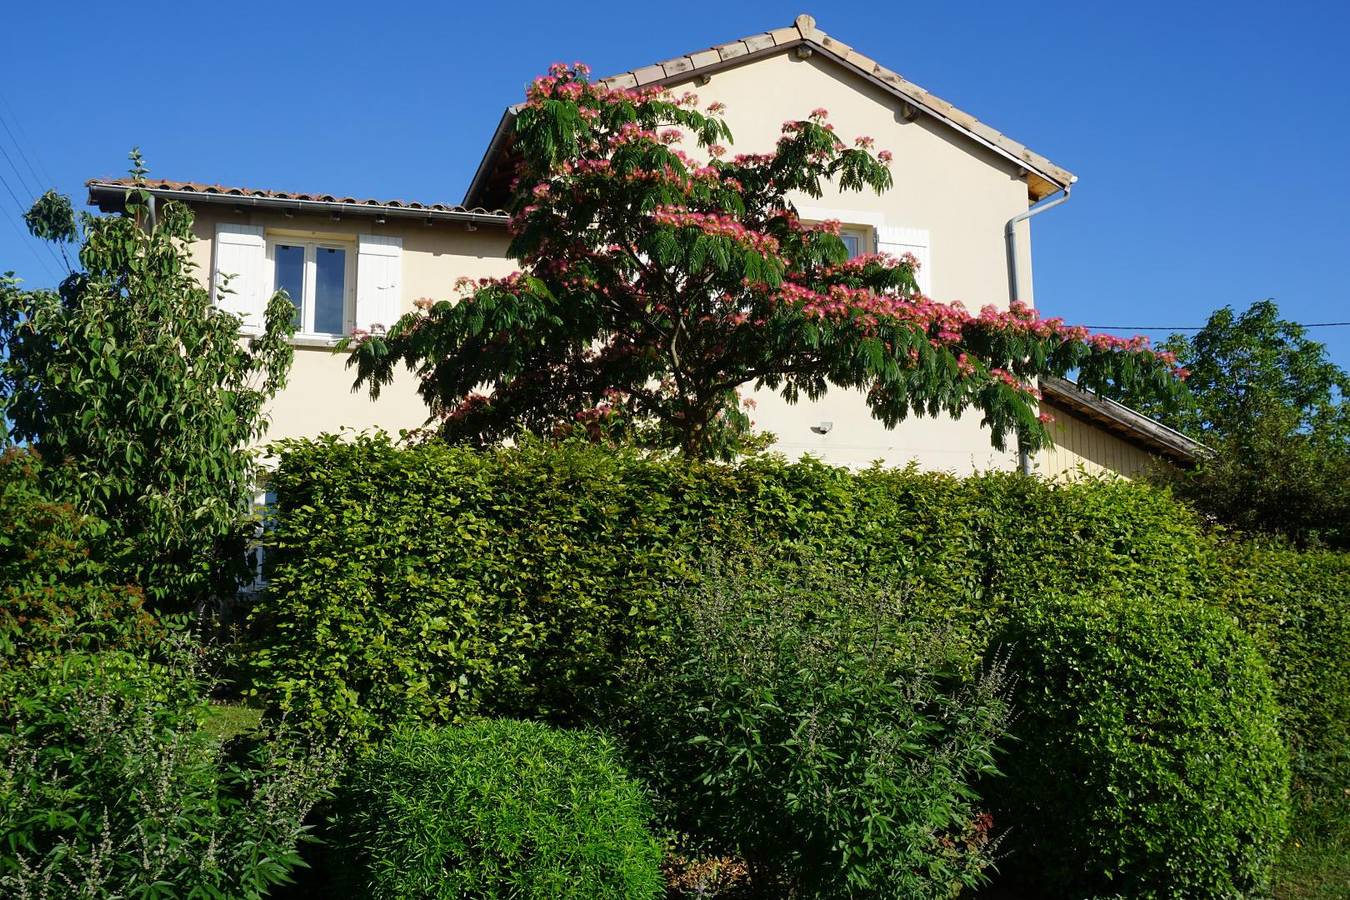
(312, 245)
(863, 233)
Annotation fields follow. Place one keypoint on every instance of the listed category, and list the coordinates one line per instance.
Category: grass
(230, 720)
(1316, 861)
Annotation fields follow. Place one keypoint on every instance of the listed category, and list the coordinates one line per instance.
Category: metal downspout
(1010, 235)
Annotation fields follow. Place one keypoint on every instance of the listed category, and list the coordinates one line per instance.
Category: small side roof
(109, 195)
(1124, 422)
(1043, 176)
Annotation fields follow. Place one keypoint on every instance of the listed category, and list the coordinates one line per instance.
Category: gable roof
(109, 195)
(1043, 176)
(1126, 423)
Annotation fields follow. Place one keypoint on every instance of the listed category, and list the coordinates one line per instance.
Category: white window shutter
(379, 281)
(899, 241)
(241, 252)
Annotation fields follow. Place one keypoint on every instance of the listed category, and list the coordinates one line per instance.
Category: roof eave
(1043, 177)
(111, 196)
(1130, 423)
(484, 170)
(884, 78)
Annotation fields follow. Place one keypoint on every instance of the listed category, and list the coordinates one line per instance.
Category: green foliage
(142, 396)
(503, 809)
(109, 787)
(45, 540)
(654, 283)
(1276, 410)
(1245, 366)
(109, 784)
(431, 582)
(53, 593)
(1148, 761)
(1296, 606)
(52, 218)
(811, 726)
(1273, 480)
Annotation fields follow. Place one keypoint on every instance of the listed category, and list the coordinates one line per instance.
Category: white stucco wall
(958, 191)
(318, 396)
(961, 193)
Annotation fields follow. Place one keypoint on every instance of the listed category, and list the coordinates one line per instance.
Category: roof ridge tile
(805, 29)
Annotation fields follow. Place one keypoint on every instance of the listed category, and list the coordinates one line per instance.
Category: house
(962, 203)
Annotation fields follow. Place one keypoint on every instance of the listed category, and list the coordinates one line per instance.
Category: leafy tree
(1273, 407)
(140, 394)
(653, 285)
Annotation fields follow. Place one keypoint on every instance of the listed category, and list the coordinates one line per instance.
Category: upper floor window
(318, 277)
(337, 282)
(858, 241)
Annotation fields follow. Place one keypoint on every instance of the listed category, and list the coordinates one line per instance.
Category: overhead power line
(19, 207)
(27, 241)
(1202, 327)
(34, 188)
(46, 176)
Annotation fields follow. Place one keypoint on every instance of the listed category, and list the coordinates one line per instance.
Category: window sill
(327, 341)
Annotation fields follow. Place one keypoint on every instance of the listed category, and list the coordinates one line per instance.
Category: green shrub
(810, 726)
(1296, 606)
(1147, 762)
(54, 593)
(109, 787)
(430, 583)
(433, 582)
(44, 537)
(501, 808)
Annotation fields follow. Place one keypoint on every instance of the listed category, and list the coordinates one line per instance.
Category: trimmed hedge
(1296, 605)
(434, 582)
(500, 809)
(1148, 762)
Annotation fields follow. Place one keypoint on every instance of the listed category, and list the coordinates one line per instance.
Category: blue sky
(1212, 141)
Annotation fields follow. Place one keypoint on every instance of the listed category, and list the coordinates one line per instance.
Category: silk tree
(654, 284)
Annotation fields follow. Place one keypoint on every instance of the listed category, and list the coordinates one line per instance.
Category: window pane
(290, 274)
(329, 289)
(852, 243)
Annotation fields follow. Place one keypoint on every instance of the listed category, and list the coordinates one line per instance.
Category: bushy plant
(498, 809)
(141, 387)
(434, 582)
(45, 539)
(55, 593)
(1147, 761)
(1296, 606)
(109, 786)
(811, 726)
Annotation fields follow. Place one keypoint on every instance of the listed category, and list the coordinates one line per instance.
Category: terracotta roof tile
(197, 187)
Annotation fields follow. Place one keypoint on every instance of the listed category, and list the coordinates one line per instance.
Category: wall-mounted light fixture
(823, 427)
